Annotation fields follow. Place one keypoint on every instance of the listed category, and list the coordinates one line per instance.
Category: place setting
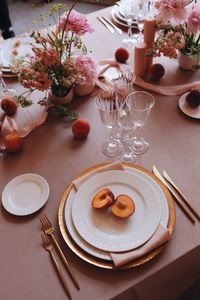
(112, 234)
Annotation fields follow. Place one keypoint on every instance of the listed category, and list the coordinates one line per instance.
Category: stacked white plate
(100, 232)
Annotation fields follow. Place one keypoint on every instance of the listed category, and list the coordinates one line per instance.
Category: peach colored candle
(149, 35)
(140, 60)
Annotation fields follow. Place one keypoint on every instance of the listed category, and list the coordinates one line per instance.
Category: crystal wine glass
(141, 12)
(4, 90)
(140, 104)
(127, 8)
(108, 104)
(126, 128)
(124, 82)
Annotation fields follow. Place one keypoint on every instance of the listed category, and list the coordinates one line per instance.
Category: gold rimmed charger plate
(104, 263)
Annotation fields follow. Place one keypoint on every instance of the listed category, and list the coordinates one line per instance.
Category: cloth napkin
(24, 120)
(159, 89)
(161, 235)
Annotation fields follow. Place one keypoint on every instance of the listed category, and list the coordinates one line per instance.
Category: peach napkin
(160, 236)
(24, 120)
(159, 89)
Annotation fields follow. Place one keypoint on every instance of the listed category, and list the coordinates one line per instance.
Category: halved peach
(123, 207)
(103, 199)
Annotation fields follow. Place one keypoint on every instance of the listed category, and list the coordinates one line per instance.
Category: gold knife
(178, 200)
(113, 25)
(166, 176)
(106, 24)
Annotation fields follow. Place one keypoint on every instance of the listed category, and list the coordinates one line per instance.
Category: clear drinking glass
(4, 90)
(124, 82)
(127, 8)
(126, 125)
(141, 12)
(140, 104)
(108, 104)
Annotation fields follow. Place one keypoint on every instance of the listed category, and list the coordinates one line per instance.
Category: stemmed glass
(126, 128)
(127, 7)
(141, 12)
(140, 104)
(124, 82)
(108, 104)
(4, 91)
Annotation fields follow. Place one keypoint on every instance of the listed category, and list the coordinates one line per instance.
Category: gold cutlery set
(49, 241)
(109, 24)
(180, 199)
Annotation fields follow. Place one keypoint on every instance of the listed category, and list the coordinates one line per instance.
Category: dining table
(51, 151)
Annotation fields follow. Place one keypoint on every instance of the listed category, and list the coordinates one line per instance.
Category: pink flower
(87, 66)
(47, 57)
(193, 24)
(76, 23)
(172, 9)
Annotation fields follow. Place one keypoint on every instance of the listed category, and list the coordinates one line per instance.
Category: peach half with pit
(123, 207)
(103, 199)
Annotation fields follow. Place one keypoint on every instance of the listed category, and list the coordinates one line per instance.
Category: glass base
(128, 157)
(111, 148)
(130, 42)
(139, 145)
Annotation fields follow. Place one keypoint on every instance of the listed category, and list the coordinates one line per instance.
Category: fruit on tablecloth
(121, 55)
(193, 98)
(123, 207)
(103, 199)
(80, 128)
(13, 142)
(156, 72)
(9, 105)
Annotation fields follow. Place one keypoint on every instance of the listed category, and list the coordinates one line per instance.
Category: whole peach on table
(121, 55)
(80, 128)
(156, 72)
(13, 142)
(193, 98)
(9, 105)
(103, 199)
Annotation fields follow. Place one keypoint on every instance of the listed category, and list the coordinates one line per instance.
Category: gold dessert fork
(49, 247)
(48, 228)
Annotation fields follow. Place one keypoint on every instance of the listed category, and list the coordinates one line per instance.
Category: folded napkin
(114, 166)
(160, 236)
(24, 120)
(159, 89)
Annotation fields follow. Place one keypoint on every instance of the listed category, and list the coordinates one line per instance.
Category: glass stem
(112, 139)
(129, 22)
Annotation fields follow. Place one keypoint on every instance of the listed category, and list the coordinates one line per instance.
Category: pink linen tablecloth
(51, 151)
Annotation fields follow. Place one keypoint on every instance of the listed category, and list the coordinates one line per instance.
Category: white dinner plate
(25, 194)
(186, 109)
(100, 253)
(105, 231)
(8, 46)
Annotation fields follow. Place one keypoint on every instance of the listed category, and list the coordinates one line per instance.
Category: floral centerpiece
(178, 22)
(57, 63)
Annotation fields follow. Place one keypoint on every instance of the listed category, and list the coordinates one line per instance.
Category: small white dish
(186, 109)
(25, 194)
(107, 232)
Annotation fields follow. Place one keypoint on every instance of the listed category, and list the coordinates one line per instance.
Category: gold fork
(48, 228)
(49, 247)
